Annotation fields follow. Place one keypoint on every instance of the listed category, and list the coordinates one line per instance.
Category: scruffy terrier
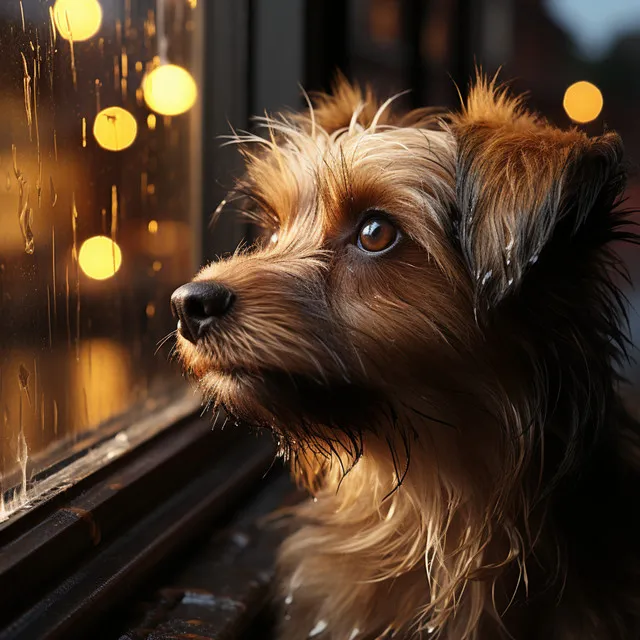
(430, 326)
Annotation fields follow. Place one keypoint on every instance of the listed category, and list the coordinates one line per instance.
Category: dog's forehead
(325, 177)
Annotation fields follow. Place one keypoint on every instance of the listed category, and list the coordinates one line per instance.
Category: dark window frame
(72, 558)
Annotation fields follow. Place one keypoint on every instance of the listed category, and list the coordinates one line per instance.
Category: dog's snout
(198, 305)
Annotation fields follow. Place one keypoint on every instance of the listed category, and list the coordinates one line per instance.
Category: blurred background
(110, 167)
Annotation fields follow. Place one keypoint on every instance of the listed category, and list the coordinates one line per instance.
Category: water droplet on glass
(23, 378)
(26, 221)
(54, 195)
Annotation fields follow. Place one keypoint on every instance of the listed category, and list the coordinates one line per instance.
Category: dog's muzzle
(199, 306)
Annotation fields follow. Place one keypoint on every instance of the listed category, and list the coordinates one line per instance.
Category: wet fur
(452, 405)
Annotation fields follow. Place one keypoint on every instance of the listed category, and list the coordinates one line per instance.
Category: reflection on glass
(93, 242)
(115, 129)
(77, 20)
(100, 257)
(583, 101)
(169, 90)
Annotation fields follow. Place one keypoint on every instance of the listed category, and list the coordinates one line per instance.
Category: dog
(431, 324)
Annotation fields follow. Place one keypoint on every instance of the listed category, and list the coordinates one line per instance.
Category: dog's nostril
(214, 303)
(198, 305)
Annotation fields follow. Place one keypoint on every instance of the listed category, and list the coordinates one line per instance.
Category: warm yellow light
(157, 265)
(150, 310)
(153, 226)
(100, 257)
(583, 101)
(169, 90)
(151, 121)
(115, 129)
(77, 19)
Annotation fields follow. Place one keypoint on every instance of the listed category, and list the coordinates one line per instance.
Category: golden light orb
(583, 101)
(169, 90)
(100, 257)
(77, 20)
(153, 226)
(115, 129)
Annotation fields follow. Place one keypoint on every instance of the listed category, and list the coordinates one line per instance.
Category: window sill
(221, 590)
(96, 450)
(63, 565)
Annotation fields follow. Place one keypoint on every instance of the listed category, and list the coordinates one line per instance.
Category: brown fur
(451, 404)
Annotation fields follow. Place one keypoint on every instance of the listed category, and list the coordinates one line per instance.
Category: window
(99, 221)
(67, 558)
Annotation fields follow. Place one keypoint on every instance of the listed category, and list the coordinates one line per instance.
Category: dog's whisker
(163, 341)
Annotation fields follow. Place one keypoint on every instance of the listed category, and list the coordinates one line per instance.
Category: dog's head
(415, 272)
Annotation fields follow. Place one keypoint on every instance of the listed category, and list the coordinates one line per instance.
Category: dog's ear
(523, 185)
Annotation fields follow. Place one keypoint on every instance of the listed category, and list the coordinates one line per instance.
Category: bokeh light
(153, 226)
(115, 129)
(77, 20)
(100, 257)
(169, 90)
(583, 101)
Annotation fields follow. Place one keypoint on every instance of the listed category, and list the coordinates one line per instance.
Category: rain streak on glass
(88, 258)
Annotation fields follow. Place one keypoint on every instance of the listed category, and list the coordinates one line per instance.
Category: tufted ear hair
(348, 104)
(522, 185)
(335, 110)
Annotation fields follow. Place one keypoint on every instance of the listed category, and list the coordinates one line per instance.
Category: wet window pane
(97, 190)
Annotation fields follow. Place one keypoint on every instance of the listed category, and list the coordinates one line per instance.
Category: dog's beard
(293, 404)
(273, 398)
(320, 421)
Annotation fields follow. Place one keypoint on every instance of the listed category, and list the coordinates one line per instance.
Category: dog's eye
(377, 234)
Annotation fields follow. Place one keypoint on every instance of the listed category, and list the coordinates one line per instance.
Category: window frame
(80, 551)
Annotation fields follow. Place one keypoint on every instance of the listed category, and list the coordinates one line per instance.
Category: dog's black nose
(198, 305)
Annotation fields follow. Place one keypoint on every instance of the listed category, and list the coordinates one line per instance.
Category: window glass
(99, 192)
